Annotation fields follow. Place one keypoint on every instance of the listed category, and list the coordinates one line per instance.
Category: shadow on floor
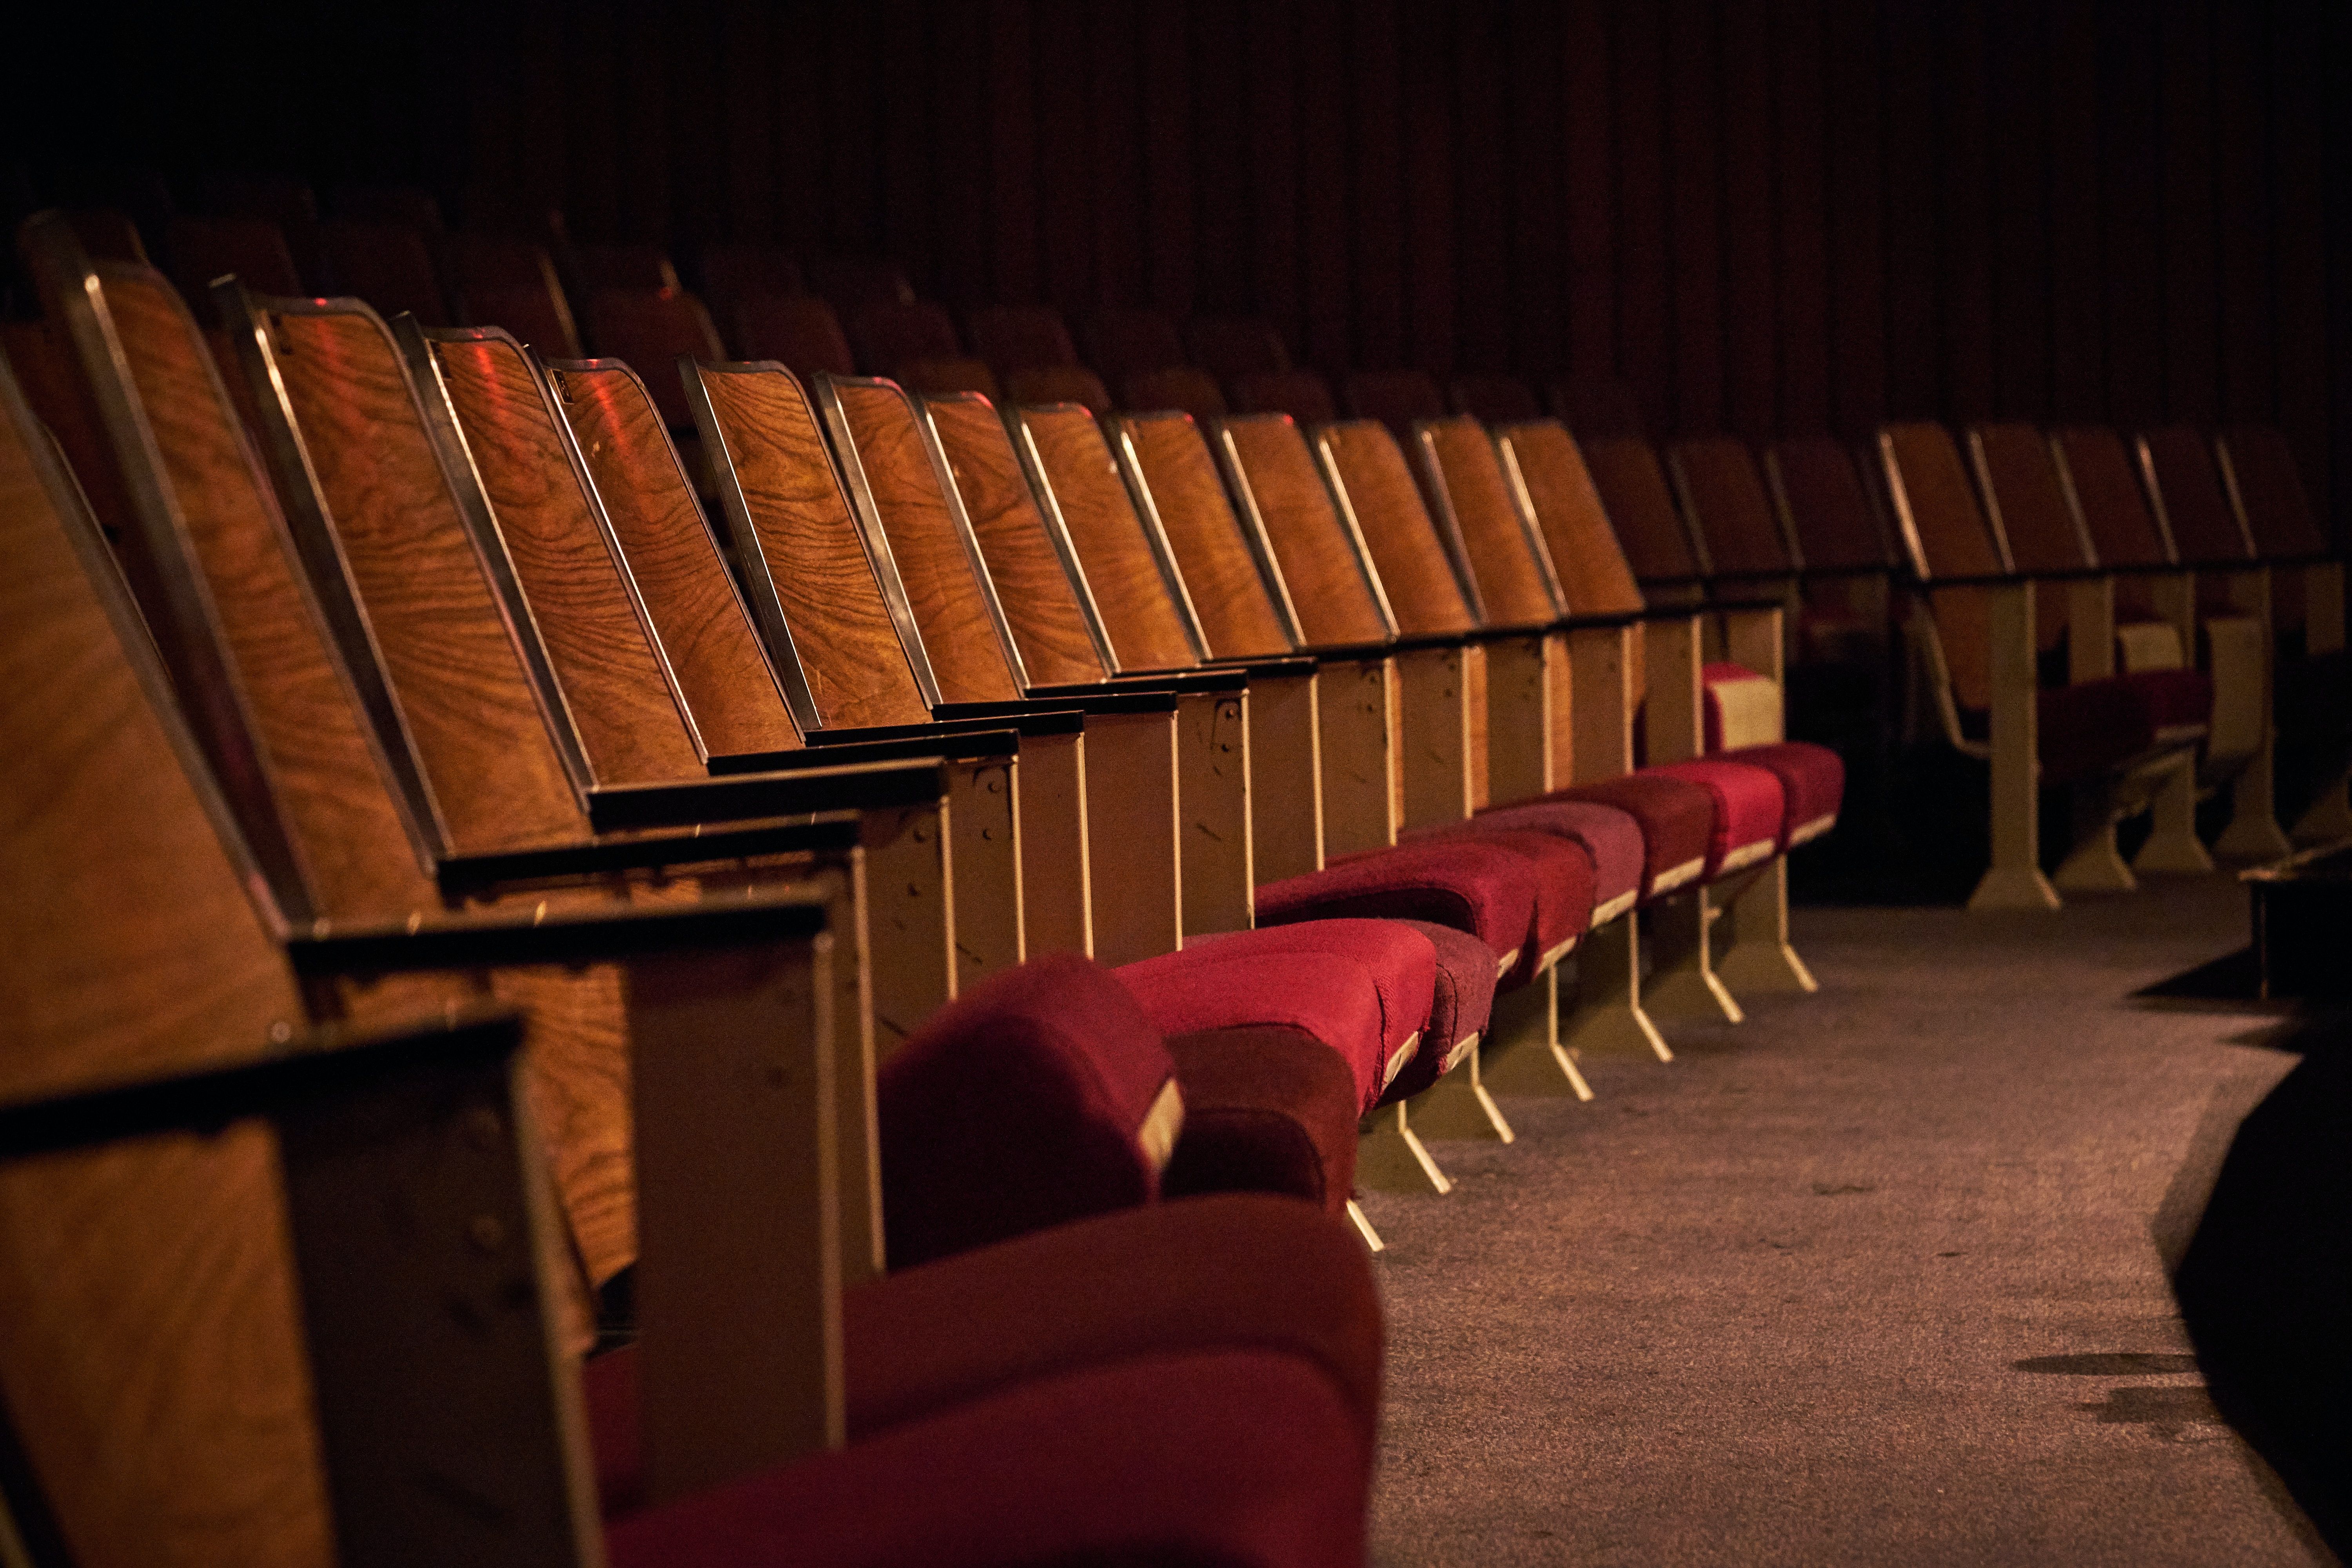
(2266, 1287)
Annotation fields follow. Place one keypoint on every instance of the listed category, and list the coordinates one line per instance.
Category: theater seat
(1487, 893)
(1812, 786)
(1265, 1110)
(1041, 1094)
(1611, 839)
(1240, 1270)
(2094, 727)
(1563, 880)
(1397, 957)
(1333, 999)
(1677, 821)
(1749, 811)
(1230, 1459)
(1459, 1011)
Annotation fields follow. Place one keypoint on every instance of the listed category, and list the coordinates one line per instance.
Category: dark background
(1764, 218)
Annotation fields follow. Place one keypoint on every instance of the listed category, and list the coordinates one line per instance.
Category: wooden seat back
(1640, 506)
(889, 333)
(911, 516)
(1018, 337)
(1312, 549)
(697, 614)
(1948, 535)
(2266, 486)
(1126, 342)
(941, 377)
(1421, 575)
(2097, 468)
(2190, 502)
(1723, 495)
(1170, 469)
(650, 328)
(1507, 562)
(383, 532)
(1547, 470)
(1825, 507)
(1139, 606)
(1038, 385)
(824, 604)
(802, 335)
(204, 248)
(1397, 398)
(1026, 556)
(2027, 503)
(1303, 394)
(506, 280)
(1494, 399)
(573, 587)
(1595, 406)
(1228, 346)
(151, 1370)
(1186, 388)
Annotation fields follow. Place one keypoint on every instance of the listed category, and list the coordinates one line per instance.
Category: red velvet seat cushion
(1471, 886)
(1336, 1000)
(1464, 1002)
(1401, 961)
(1219, 1459)
(1813, 784)
(1200, 1274)
(1265, 1110)
(1677, 819)
(2178, 700)
(1610, 837)
(1748, 811)
(1563, 878)
(1019, 1105)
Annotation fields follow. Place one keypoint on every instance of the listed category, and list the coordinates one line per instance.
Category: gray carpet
(1875, 1277)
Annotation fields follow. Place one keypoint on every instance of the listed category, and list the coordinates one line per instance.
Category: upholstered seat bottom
(1563, 880)
(1608, 835)
(1464, 1005)
(1483, 889)
(1676, 817)
(1750, 810)
(1812, 786)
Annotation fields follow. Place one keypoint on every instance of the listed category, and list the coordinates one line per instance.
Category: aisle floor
(1875, 1277)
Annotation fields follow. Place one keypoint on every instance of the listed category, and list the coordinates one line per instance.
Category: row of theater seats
(814, 953)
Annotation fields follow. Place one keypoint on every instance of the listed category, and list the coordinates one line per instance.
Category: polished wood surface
(1456, 456)
(1723, 495)
(2180, 473)
(153, 1367)
(617, 690)
(1367, 476)
(322, 762)
(2027, 500)
(1819, 492)
(1015, 541)
(1557, 489)
(714, 650)
(946, 599)
(2122, 526)
(1641, 509)
(453, 663)
(1140, 616)
(1168, 460)
(1269, 461)
(805, 545)
(1936, 502)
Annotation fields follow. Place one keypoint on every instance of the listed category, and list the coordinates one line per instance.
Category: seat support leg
(1682, 981)
(1391, 1157)
(2174, 847)
(1524, 1054)
(1357, 1217)
(1606, 1018)
(1760, 957)
(2093, 863)
(1458, 1106)
(2014, 879)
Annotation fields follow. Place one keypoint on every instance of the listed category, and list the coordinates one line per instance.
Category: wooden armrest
(744, 797)
(948, 742)
(461, 875)
(1111, 697)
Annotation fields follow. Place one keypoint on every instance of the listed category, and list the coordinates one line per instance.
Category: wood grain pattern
(807, 548)
(1334, 604)
(949, 603)
(1366, 468)
(1457, 455)
(1040, 603)
(447, 652)
(1140, 616)
(714, 650)
(1558, 491)
(2020, 480)
(1923, 467)
(1724, 496)
(1166, 457)
(619, 694)
(152, 1364)
(1634, 493)
(322, 764)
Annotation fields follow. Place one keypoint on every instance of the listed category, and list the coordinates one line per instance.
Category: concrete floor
(1873, 1276)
